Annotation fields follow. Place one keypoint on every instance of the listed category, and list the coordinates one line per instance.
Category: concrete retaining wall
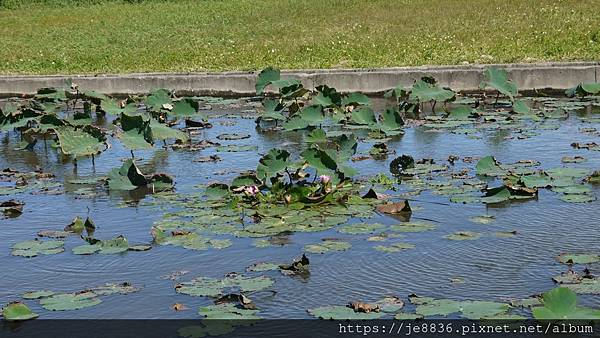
(370, 81)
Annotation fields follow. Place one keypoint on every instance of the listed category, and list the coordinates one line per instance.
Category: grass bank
(95, 36)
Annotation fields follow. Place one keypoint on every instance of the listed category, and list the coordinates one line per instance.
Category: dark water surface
(492, 268)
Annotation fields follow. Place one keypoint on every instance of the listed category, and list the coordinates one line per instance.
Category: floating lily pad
(17, 311)
(342, 313)
(468, 309)
(413, 227)
(70, 301)
(37, 294)
(236, 148)
(263, 266)
(36, 247)
(484, 219)
(327, 246)
(396, 247)
(203, 286)
(227, 311)
(578, 258)
(234, 136)
(578, 198)
(463, 236)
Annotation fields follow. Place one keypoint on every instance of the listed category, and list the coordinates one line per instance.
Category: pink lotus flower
(251, 190)
(324, 179)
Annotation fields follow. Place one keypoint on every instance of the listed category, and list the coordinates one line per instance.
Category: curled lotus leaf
(489, 166)
(497, 79)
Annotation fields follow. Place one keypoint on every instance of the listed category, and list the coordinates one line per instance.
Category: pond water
(491, 267)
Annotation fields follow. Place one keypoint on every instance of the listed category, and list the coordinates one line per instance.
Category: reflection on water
(492, 268)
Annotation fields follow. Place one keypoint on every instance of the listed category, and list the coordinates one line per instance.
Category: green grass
(79, 36)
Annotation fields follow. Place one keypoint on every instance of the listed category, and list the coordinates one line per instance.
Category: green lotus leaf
(327, 97)
(424, 92)
(342, 313)
(583, 89)
(391, 120)
(37, 294)
(273, 110)
(326, 246)
(573, 189)
(275, 161)
(537, 180)
(112, 107)
(186, 107)
(578, 258)
(263, 266)
(161, 131)
(233, 148)
(520, 107)
(561, 303)
(217, 191)
(461, 112)
(363, 115)
(497, 79)
(157, 99)
(316, 136)
(484, 219)
(128, 177)
(395, 247)
(137, 133)
(412, 227)
(266, 77)
(296, 123)
(36, 247)
(356, 99)
(114, 288)
(489, 166)
(463, 236)
(17, 311)
(86, 141)
(70, 301)
(585, 286)
(578, 198)
(227, 311)
(319, 159)
(482, 309)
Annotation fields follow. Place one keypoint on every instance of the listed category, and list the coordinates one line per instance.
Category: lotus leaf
(17, 311)
(36, 247)
(561, 303)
